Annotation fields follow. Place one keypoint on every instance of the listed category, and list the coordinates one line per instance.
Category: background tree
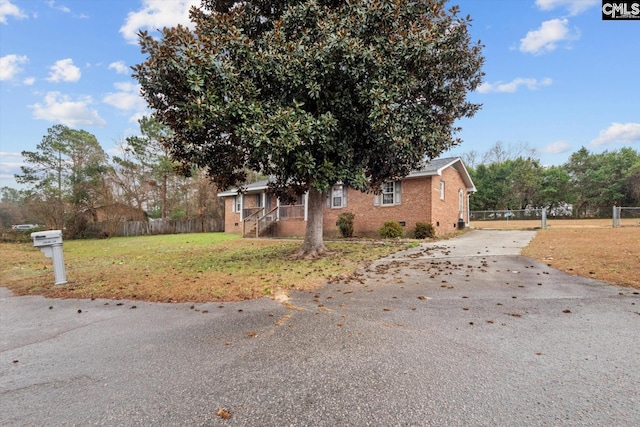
(633, 184)
(556, 190)
(12, 208)
(492, 183)
(603, 180)
(151, 158)
(66, 176)
(501, 152)
(590, 183)
(311, 92)
(129, 181)
(525, 182)
(506, 184)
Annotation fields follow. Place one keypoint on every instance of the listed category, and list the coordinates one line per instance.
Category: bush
(424, 230)
(345, 223)
(391, 229)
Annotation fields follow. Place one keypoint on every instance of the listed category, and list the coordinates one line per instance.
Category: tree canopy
(589, 183)
(67, 168)
(312, 92)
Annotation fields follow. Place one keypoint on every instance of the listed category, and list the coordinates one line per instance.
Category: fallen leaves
(223, 413)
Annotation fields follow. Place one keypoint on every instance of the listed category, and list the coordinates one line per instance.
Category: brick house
(438, 194)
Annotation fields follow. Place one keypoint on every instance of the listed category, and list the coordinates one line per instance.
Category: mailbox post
(50, 244)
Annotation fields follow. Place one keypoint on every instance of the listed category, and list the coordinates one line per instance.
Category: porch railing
(251, 220)
(256, 222)
(248, 212)
(265, 221)
(291, 212)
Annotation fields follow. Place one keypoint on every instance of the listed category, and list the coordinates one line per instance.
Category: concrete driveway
(463, 332)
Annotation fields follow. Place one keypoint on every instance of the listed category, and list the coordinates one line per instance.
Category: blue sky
(558, 77)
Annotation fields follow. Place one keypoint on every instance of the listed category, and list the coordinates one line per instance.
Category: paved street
(462, 332)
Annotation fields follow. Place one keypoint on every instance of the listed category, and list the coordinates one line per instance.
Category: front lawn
(182, 267)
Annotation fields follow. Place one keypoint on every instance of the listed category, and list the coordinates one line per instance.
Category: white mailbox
(47, 238)
(50, 244)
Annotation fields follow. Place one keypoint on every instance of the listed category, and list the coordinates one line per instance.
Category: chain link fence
(511, 215)
(626, 216)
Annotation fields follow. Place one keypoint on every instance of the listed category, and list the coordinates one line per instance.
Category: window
(441, 190)
(461, 202)
(237, 203)
(258, 200)
(390, 194)
(338, 196)
(299, 201)
(388, 191)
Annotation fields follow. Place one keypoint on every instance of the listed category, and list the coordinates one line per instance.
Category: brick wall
(420, 202)
(232, 222)
(414, 207)
(447, 212)
(291, 228)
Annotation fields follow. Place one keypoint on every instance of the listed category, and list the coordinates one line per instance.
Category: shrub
(391, 229)
(345, 223)
(424, 230)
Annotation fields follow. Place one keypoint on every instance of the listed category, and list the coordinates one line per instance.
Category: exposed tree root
(310, 253)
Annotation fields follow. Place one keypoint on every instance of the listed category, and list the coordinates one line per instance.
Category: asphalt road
(464, 332)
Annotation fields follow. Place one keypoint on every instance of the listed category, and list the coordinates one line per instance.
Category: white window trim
(442, 190)
(237, 204)
(343, 196)
(392, 193)
(378, 199)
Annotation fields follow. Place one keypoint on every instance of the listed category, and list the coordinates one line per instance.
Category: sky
(557, 76)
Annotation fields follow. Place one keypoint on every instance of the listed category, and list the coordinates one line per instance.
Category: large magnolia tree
(312, 92)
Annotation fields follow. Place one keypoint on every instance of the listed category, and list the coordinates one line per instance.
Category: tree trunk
(313, 244)
(164, 196)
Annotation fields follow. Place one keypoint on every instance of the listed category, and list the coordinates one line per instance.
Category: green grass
(183, 267)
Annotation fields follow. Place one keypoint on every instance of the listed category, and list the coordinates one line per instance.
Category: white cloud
(557, 147)
(120, 67)
(10, 66)
(127, 98)
(157, 14)
(52, 5)
(547, 37)
(618, 133)
(9, 166)
(9, 9)
(573, 6)
(64, 70)
(136, 119)
(73, 113)
(29, 81)
(512, 86)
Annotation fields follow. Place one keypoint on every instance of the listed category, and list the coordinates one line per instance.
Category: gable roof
(437, 166)
(433, 168)
(256, 186)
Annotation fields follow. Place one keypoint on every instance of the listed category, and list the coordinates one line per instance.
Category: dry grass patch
(608, 254)
(185, 267)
